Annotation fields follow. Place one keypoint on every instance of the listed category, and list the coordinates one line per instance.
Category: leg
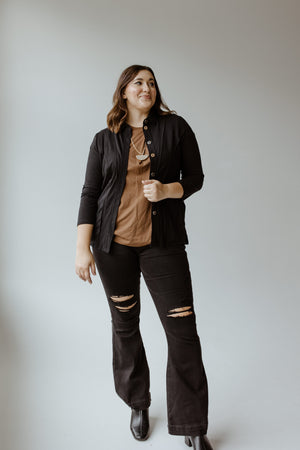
(120, 275)
(167, 275)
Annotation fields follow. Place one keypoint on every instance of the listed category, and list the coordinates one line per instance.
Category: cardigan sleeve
(92, 186)
(191, 167)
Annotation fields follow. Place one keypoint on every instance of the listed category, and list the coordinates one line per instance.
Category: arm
(92, 187)
(84, 234)
(84, 261)
(191, 166)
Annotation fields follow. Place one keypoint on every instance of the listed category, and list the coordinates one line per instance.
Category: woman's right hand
(85, 262)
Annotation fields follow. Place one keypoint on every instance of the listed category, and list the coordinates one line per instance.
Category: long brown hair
(117, 115)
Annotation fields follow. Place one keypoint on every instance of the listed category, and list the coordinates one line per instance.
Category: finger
(81, 276)
(84, 274)
(88, 276)
(148, 181)
(149, 194)
(78, 270)
(93, 268)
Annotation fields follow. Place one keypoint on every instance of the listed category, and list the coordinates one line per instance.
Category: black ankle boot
(198, 442)
(139, 423)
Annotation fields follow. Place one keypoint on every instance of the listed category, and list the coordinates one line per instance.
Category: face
(140, 93)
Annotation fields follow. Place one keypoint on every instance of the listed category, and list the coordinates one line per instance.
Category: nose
(146, 88)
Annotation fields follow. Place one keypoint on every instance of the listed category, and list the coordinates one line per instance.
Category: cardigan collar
(151, 118)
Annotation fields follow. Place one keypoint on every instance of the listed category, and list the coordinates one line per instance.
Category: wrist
(173, 190)
(82, 247)
(166, 191)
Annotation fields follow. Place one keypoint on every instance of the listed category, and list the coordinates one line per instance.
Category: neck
(136, 118)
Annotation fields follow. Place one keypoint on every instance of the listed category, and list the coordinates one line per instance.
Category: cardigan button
(149, 142)
(145, 127)
(154, 212)
(152, 155)
(152, 174)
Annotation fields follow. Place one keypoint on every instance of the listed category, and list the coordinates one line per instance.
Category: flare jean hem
(187, 430)
(138, 404)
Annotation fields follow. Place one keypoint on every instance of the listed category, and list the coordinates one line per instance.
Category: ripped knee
(180, 312)
(123, 298)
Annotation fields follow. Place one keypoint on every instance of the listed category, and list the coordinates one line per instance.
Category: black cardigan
(174, 156)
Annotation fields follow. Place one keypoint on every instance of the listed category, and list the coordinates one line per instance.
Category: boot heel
(188, 441)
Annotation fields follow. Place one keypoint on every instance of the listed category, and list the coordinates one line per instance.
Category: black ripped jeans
(167, 276)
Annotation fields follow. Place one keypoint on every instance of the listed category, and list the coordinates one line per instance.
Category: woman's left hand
(154, 190)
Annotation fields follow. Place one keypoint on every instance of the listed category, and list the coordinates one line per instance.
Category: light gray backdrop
(231, 69)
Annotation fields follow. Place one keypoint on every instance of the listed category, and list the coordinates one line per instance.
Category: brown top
(133, 225)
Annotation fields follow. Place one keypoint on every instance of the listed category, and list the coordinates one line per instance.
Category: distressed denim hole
(120, 298)
(125, 308)
(123, 298)
(180, 312)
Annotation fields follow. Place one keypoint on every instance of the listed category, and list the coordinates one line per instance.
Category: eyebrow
(150, 79)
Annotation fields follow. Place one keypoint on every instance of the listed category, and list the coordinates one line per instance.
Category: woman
(140, 169)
